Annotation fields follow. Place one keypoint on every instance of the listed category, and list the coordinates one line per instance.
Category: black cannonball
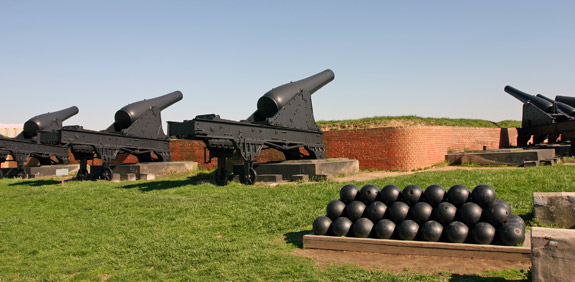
(421, 212)
(368, 193)
(496, 214)
(470, 213)
(321, 225)
(348, 193)
(407, 229)
(513, 218)
(499, 201)
(384, 229)
(445, 213)
(362, 227)
(398, 211)
(483, 195)
(354, 210)
(341, 226)
(456, 232)
(335, 209)
(375, 211)
(431, 231)
(389, 194)
(511, 234)
(483, 233)
(458, 195)
(411, 194)
(434, 194)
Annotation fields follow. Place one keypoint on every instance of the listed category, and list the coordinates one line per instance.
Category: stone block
(552, 254)
(530, 163)
(269, 178)
(556, 208)
(300, 177)
(147, 176)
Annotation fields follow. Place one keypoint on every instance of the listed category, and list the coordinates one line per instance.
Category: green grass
(171, 229)
(423, 121)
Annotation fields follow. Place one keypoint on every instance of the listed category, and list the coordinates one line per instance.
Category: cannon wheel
(1, 174)
(107, 174)
(82, 175)
(249, 179)
(21, 174)
(221, 176)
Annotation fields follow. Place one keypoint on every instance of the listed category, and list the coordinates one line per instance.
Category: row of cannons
(283, 121)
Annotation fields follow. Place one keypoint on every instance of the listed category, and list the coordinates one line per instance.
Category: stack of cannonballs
(435, 215)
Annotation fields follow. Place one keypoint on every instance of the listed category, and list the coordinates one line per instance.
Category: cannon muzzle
(271, 102)
(540, 103)
(130, 113)
(47, 122)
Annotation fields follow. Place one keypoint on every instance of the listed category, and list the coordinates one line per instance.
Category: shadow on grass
(200, 178)
(465, 277)
(35, 183)
(296, 238)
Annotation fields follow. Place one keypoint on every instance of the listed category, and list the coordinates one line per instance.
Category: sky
(390, 58)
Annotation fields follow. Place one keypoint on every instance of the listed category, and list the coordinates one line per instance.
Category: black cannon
(137, 130)
(26, 144)
(283, 121)
(544, 118)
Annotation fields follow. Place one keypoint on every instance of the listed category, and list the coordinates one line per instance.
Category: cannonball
(513, 218)
(470, 213)
(456, 232)
(389, 194)
(362, 227)
(375, 211)
(398, 211)
(458, 195)
(321, 225)
(434, 194)
(384, 229)
(354, 210)
(499, 201)
(421, 212)
(335, 209)
(511, 234)
(483, 233)
(368, 193)
(445, 213)
(411, 194)
(496, 214)
(348, 193)
(483, 195)
(341, 226)
(431, 231)
(407, 229)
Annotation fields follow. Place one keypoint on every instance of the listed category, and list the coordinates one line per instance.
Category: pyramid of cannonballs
(435, 215)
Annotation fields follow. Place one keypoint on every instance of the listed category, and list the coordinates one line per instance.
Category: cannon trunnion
(283, 121)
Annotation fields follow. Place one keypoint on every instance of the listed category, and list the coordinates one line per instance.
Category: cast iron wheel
(221, 177)
(107, 174)
(21, 174)
(249, 179)
(1, 174)
(82, 175)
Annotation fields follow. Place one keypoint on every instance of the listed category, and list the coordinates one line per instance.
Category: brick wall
(387, 148)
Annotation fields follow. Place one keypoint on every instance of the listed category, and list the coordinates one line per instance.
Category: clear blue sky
(425, 58)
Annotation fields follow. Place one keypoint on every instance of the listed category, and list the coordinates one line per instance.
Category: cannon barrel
(271, 102)
(130, 113)
(44, 121)
(566, 99)
(562, 107)
(541, 103)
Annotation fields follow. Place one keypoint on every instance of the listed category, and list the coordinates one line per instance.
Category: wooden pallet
(400, 247)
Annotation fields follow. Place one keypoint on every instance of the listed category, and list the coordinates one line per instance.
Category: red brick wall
(381, 148)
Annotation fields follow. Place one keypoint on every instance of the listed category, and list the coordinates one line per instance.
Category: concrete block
(530, 163)
(557, 208)
(128, 177)
(552, 254)
(501, 156)
(300, 177)
(269, 178)
(50, 170)
(147, 176)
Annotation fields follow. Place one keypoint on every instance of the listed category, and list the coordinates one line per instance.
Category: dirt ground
(408, 263)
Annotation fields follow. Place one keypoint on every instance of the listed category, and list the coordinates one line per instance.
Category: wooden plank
(399, 247)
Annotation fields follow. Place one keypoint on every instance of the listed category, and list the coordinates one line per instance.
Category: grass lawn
(171, 229)
(422, 121)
